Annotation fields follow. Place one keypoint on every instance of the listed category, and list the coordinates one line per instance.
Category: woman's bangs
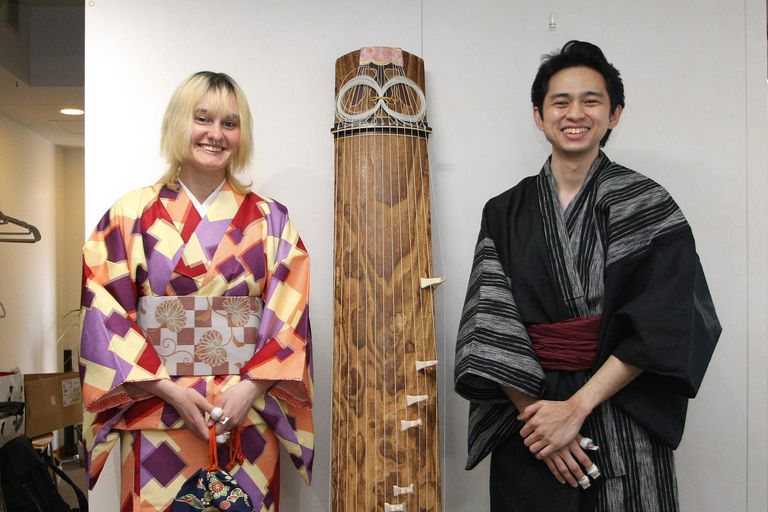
(219, 102)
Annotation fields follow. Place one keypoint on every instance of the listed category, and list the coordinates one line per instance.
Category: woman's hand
(237, 400)
(190, 404)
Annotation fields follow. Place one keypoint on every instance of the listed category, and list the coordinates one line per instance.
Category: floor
(75, 472)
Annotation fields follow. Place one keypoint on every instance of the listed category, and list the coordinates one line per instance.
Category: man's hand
(568, 463)
(550, 426)
(563, 463)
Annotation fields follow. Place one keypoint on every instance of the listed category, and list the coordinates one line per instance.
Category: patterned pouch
(212, 489)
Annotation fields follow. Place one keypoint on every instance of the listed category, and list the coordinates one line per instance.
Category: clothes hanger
(30, 234)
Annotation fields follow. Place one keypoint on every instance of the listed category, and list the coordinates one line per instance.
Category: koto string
(364, 213)
(341, 248)
(337, 355)
(411, 186)
(421, 173)
(351, 365)
(360, 272)
(413, 231)
(424, 173)
(402, 301)
(420, 160)
(416, 150)
(384, 138)
(376, 337)
(396, 333)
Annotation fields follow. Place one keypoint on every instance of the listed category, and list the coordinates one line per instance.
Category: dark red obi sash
(568, 345)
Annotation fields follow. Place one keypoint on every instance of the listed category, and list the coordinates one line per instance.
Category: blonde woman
(195, 313)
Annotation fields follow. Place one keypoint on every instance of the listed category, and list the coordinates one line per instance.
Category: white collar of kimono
(202, 208)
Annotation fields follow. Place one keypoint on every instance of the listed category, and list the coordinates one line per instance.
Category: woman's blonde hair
(179, 118)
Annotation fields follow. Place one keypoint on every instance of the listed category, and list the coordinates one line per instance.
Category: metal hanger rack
(28, 234)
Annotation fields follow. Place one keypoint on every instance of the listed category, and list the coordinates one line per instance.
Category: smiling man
(588, 323)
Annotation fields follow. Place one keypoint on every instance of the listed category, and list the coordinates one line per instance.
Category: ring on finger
(216, 413)
(224, 420)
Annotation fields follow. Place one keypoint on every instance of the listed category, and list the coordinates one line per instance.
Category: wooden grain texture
(384, 321)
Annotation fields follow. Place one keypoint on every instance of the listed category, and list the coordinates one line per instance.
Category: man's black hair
(575, 54)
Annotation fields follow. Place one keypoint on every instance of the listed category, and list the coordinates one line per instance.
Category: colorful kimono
(153, 243)
(623, 250)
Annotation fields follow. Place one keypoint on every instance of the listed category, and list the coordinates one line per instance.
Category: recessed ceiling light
(72, 111)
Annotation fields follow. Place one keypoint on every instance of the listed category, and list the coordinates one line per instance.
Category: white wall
(695, 121)
(28, 167)
(70, 205)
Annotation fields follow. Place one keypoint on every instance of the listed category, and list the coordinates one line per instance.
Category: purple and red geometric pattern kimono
(151, 243)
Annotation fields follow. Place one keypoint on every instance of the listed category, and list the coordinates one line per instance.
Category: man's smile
(575, 130)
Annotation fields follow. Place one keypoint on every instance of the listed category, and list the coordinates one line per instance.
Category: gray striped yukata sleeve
(492, 350)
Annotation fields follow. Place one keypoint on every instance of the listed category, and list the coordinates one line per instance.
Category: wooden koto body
(386, 452)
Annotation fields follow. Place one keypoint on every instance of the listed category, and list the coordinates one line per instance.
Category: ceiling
(67, 3)
(37, 108)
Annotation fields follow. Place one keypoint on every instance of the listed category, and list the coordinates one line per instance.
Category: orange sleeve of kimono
(284, 353)
(113, 349)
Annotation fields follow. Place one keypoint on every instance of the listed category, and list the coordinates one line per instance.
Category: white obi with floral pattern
(199, 335)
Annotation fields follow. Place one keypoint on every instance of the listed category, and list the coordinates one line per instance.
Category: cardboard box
(54, 401)
(11, 391)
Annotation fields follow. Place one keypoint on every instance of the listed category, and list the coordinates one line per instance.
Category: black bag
(28, 485)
